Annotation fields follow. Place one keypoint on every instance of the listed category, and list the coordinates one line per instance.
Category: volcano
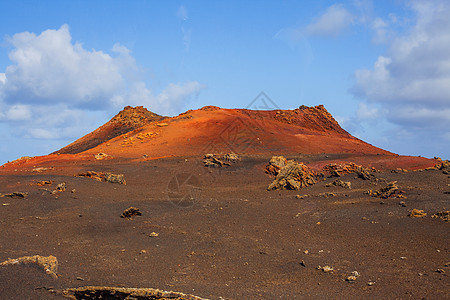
(136, 133)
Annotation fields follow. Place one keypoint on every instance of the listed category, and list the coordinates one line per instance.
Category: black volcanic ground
(222, 235)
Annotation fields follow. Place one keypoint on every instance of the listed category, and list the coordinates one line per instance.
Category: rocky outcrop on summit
(130, 118)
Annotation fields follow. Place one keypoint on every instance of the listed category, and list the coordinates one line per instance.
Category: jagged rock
(417, 213)
(338, 182)
(61, 187)
(48, 263)
(231, 157)
(44, 182)
(325, 269)
(131, 212)
(213, 161)
(336, 170)
(121, 293)
(445, 164)
(100, 156)
(444, 215)
(293, 176)
(15, 195)
(275, 165)
(100, 176)
(115, 178)
(390, 191)
(93, 174)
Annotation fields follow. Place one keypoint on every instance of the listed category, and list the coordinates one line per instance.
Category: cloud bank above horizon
(409, 85)
(50, 73)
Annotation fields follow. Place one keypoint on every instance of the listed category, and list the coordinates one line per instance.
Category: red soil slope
(137, 134)
(309, 130)
(125, 121)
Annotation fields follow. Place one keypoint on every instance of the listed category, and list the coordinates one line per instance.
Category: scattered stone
(41, 169)
(15, 195)
(131, 212)
(44, 182)
(442, 271)
(104, 292)
(153, 234)
(370, 283)
(5, 204)
(417, 213)
(399, 170)
(80, 278)
(108, 177)
(61, 187)
(292, 176)
(335, 170)
(402, 203)
(353, 276)
(93, 174)
(389, 191)
(48, 263)
(326, 195)
(444, 215)
(338, 182)
(214, 161)
(302, 263)
(73, 191)
(231, 157)
(101, 156)
(325, 269)
(115, 178)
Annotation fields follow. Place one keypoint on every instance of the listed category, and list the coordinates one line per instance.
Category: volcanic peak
(129, 119)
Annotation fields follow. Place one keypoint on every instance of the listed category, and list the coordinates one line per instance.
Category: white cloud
(53, 84)
(366, 112)
(18, 113)
(331, 23)
(380, 28)
(182, 13)
(412, 80)
(48, 68)
(168, 102)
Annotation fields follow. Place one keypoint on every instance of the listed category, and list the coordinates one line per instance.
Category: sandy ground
(221, 234)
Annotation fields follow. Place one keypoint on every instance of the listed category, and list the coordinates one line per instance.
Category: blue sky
(382, 68)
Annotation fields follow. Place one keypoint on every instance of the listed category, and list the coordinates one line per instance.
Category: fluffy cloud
(331, 23)
(51, 75)
(412, 80)
(48, 68)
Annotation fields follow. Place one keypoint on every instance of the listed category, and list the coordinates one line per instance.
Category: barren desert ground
(220, 233)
